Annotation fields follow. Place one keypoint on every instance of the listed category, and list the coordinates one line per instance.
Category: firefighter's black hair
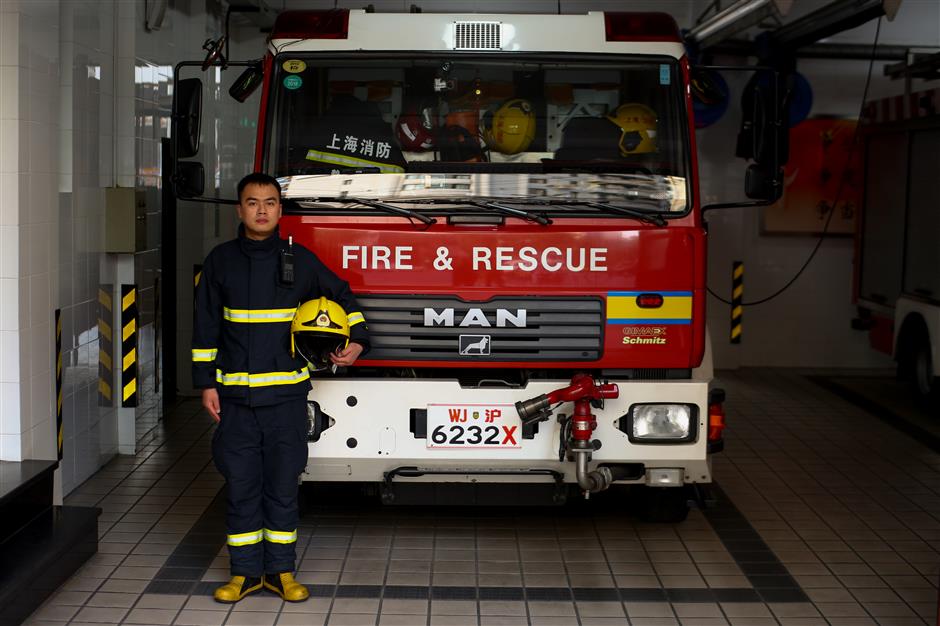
(258, 178)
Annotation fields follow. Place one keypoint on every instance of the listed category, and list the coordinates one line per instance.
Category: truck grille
(477, 36)
(556, 329)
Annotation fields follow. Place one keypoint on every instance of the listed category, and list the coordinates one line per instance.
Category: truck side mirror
(764, 136)
(187, 113)
(247, 82)
(190, 179)
(763, 183)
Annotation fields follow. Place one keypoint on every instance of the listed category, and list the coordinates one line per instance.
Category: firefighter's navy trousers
(261, 451)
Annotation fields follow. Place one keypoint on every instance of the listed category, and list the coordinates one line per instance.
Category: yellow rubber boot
(284, 585)
(237, 588)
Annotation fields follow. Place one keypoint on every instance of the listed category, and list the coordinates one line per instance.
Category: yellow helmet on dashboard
(511, 128)
(319, 328)
(637, 124)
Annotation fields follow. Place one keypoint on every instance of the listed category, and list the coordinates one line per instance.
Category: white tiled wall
(29, 123)
(85, 99)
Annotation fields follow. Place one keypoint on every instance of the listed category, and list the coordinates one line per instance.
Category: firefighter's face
(259, 209)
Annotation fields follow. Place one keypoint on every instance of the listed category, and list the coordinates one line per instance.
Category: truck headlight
(662, 423)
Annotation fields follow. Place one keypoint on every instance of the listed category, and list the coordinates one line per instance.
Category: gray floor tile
(453, 620)
(251, 618)
(301, 619)
(150, 616)
(100, 614)
(745, 609)
(54, 613)
(391, 619)
(600, 609)
(351, 619)
(555, 621)
(707, 621)
(654, 621)
(696, 609)
(109, 599)
(493, 607)
(503, 620)
(393, 606)
(117, 585)
(355, 605)
(454, 607)
(69, 598)
(454, 567)
(551, 609)
(311, 605)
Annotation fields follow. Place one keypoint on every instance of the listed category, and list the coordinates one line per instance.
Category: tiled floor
(823, 515)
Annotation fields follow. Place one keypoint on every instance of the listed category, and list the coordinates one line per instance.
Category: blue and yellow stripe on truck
(622, 308)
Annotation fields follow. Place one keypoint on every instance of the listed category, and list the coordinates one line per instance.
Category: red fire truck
(897, 257)
(514, 199)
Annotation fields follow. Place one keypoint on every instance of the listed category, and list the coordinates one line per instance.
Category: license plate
(474, 426)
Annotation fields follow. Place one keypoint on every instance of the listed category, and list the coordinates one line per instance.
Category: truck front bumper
(377, 431)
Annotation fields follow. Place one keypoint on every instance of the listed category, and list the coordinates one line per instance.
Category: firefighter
(256, 389)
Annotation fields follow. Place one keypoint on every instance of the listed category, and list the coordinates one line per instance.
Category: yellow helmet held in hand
(637, 124)
(511, 128)
(319, 328)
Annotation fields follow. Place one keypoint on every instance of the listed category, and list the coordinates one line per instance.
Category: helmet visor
(317, 347)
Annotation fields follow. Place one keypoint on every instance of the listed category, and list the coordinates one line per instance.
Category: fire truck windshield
(608, 131)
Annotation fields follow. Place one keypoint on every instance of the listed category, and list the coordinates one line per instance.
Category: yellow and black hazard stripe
(737, 300)
(105, 346)
(58, 382)
(128, 345)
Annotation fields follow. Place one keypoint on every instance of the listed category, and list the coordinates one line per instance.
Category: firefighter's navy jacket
(242, 319)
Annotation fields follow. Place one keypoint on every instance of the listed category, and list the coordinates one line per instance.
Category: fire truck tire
(923, 376)
(663, 505)
(915, 364)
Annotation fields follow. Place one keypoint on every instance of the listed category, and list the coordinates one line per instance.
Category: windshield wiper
(501, 208)
(374, 204)
(643, 216)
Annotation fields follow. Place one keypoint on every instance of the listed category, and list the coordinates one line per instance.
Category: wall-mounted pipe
(831, 19)
(737, 17)
(845, 51)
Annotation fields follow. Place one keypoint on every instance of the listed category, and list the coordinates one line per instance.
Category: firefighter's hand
(210, 402)
(347, 356)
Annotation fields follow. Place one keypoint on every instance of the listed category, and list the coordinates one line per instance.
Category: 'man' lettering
(433, 318)
(475, 317)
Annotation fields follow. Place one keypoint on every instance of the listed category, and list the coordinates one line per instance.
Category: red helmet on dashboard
(415, 130)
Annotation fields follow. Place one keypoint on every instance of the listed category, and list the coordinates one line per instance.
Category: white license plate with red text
(474, 426)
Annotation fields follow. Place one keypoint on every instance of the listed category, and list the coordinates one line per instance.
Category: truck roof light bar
(737, 17)
(332, 24)
(622, 26)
